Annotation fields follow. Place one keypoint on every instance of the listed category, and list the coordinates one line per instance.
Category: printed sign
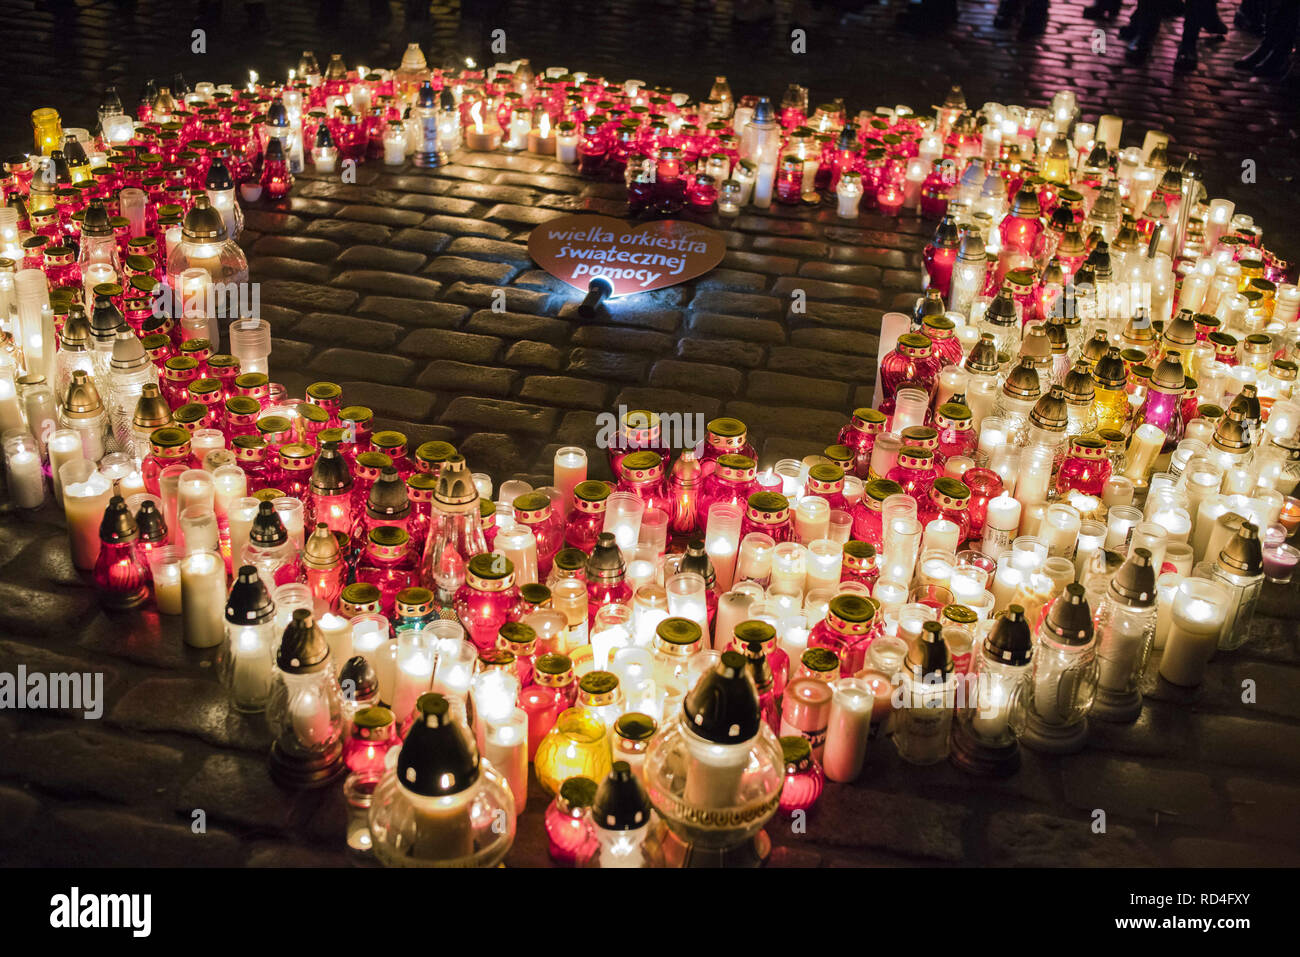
(579, 248)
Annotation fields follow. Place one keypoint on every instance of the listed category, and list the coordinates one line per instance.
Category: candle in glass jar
(812, 518)
(824, 563)
(1001, 522)
(26, 478)
(85, 497)
(64, 446)
(505, 745)
(203, 597)
(849, 728)
(569, 469)
(722, 540)
(1060, 529)
(519, 544)
(1200, 607)
(941, 533)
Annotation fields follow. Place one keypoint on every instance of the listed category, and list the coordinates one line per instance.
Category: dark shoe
(1254, 58)
(1139, 48)
(1102, 10)
(1185, 61)
(1008, 11)
(1034, 23)
(1276, 65)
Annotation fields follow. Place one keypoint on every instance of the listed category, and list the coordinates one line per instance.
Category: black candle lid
(149, 520)
(930, 655)
(249, 602)
(606, 561)
(358, 679)
(437, 759)
(303, 649)
(267, 531)
(1069, 620)
(1010, 641)
(1135, 582)
(388, 498)
(723, 705)
(1243, 553)
(118, 525)
(621, 803)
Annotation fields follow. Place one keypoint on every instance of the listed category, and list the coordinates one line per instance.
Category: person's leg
(1198, 12)
(1102, 10)
(1034, 22)
(1256, 56)
(1284, 18)
(1007, 13)
(1249, 17)
(1143, 28)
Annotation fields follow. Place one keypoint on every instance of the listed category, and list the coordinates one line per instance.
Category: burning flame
(475, 114)
(469, 63)
(252, 80)
(544, 126)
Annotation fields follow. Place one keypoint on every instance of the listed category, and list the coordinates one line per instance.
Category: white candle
(26, 480)
(722, 541)
(1199, 610)
(812, 517)
(570, 468)
(240, 516)
(337, 632)
(824, 563)
(764, 183)
(64, 447)
(733, 608)
(505, 745)
(1166, 589)
(941, 533)
(84, 502)
(414, 673)
(11, 412)
(1002, 520)
(1060, 529)
(848, 729)
(519, 545)
(989, 719)
(203, 596)
(251, 679)
(167, 583)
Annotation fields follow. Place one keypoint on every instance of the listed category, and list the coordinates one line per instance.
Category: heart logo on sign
(580, 248)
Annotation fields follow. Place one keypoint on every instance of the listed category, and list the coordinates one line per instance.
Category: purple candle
(1279, 562)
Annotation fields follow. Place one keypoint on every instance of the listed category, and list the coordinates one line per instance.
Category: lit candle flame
(544, 126)
(252, 80)
(475, 114)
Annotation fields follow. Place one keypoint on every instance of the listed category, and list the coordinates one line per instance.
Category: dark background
(61, 52)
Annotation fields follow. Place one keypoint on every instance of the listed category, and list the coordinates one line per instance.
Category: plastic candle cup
(755, 561)
(85, 497)
(852, 705)
(1280, 562)
(1120, 522)
(623, 513)
(203, 596)
(1166, 592)
(687, 599)
(722, 540)
(64, 446)
(824, 563)
(165, 570)
(505, 745)
(1199, 607)
(812, 518)
(570, 468)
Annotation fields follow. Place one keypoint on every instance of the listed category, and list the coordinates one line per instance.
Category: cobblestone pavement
(385, 287)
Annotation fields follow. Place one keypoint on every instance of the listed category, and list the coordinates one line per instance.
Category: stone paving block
(837, 341)
(387, 284)
(757, 262)
(511, 325)
(778, 387)
(815, 363)
(88, 762)
(535, 355)
(695, 376)
(18, 811)
(1140, 792)
(1018, 839)
(391, 399)
(347, 331)
(1207, 852)
(668, 400)
(1265, 809)
(446, 344)
(456, 268)
(27, 610)
(790, 286)
(541, 281)
(380, 257)
(790, 421)
(494, 193)
(607, 365)
(289, 354)
(438, 204)
(307, 296)
(493, 452)
(465, 377)
(368, 365)
(622, 314)
(1248, 743)
(297, 247)
(190, 706)
(497, 415)
(736, 303)
(622, 339)
(145, 638)
(424, 241)
(464, 226)
(346, 233)
(486, 296)
(383, 215)
(733, 279)
(524, 215)
(91, 837)
(272, 221)
(915, 827)
(413, 312)
(237, 789)
(478, 247)
(566, 391)
(736, 327)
